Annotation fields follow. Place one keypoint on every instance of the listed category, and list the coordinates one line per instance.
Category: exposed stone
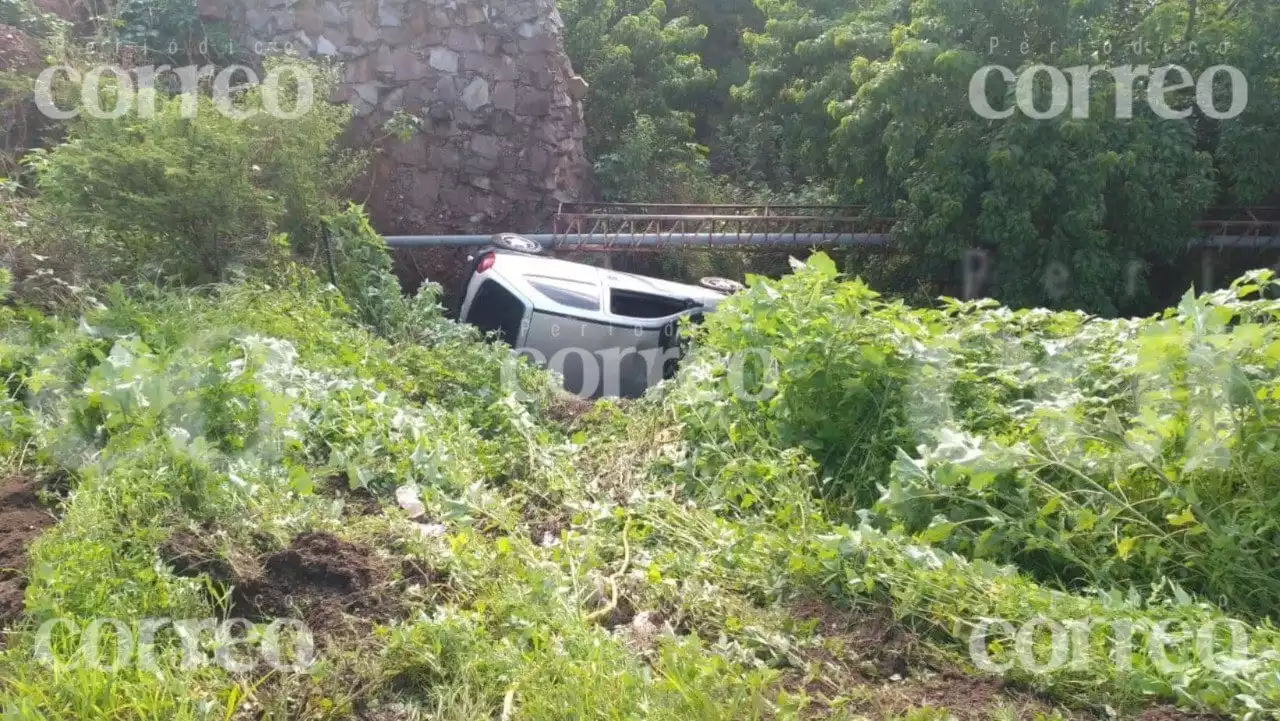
(577, 87)
(505, 68)
(446, 90)
(538, 44)
(385, 67)
(446, 158)
(541, 79)
(467, 120)
(502, 108)
(504, 96)
(408, 66)
(411, 152)
(359, 70)
(430, 38)
(394, 100)
(368, 92)
(439, 18)
(361, 29)
(418, 22)
(539, 160)
(440, 113)
(325, 47)
(341, 94)
(523, 11)
(388, 17)
(427, 185)
(476, 94)
(331, 14)
(309, 20)
(485, 145)
(444, 60)
(464, 40)
(258, 17)
(471, 13)
(533, 103)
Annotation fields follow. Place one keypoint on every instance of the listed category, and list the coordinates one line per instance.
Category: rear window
(573, 294)
(498, 310)
(645, 305)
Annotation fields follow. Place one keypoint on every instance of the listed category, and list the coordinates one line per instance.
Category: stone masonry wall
(501, 133)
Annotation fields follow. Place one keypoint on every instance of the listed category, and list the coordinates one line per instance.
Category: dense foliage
(192, 193)
(1089, 452)
(246, 413)
(871, 98)
(809, 521)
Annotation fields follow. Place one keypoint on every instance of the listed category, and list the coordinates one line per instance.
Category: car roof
(518, 268)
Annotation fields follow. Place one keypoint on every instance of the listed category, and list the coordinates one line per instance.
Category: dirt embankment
(333, 585)
(22, 518)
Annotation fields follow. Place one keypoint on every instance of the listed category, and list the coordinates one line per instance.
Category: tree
(646, 79)
(190, 195)
(1061, 211)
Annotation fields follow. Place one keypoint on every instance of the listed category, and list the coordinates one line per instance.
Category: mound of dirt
(22, 518)
(319, 578)
(869, 651)
(316, 568)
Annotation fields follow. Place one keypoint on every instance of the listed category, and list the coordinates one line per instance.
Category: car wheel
(517, 243)
(721, 285)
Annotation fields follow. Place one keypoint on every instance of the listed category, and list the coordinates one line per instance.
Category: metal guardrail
(605, 227)
(1253, 227)
(642, 242)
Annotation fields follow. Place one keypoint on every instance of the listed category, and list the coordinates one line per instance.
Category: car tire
(721, 285)
(517, 243)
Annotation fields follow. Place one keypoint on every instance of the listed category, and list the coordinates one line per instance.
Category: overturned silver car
(607, 333)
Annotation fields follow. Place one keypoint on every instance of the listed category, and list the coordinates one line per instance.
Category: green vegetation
(665, 559)
(1093, 452)
(218, 404)
(190, 195)
(869, 100)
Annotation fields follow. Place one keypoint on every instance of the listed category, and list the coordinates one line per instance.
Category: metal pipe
(653, 241)
(623, 241)
(438, 241)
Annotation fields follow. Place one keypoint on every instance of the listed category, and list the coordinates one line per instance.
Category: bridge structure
(651, 227)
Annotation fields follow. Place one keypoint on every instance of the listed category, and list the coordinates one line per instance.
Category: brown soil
(22, 518)
(334, 586)
(18, 51)
(355, 501)
(870, 658)
(567, 409)
(878, 667)
(1169, 713)
(320, 577)
(448, 267)
(546, 530)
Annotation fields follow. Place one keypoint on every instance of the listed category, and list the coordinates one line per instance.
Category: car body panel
(597, 349)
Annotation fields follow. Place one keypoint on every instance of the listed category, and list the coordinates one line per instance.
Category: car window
(496, 309)
(570, 293)
(633, 304)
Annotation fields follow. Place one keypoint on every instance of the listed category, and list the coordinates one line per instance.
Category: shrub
(190, 198)
(1089, 452)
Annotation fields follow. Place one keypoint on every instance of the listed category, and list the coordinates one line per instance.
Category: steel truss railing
(609, 227)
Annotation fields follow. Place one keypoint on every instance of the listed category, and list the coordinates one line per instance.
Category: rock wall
(500, 139)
